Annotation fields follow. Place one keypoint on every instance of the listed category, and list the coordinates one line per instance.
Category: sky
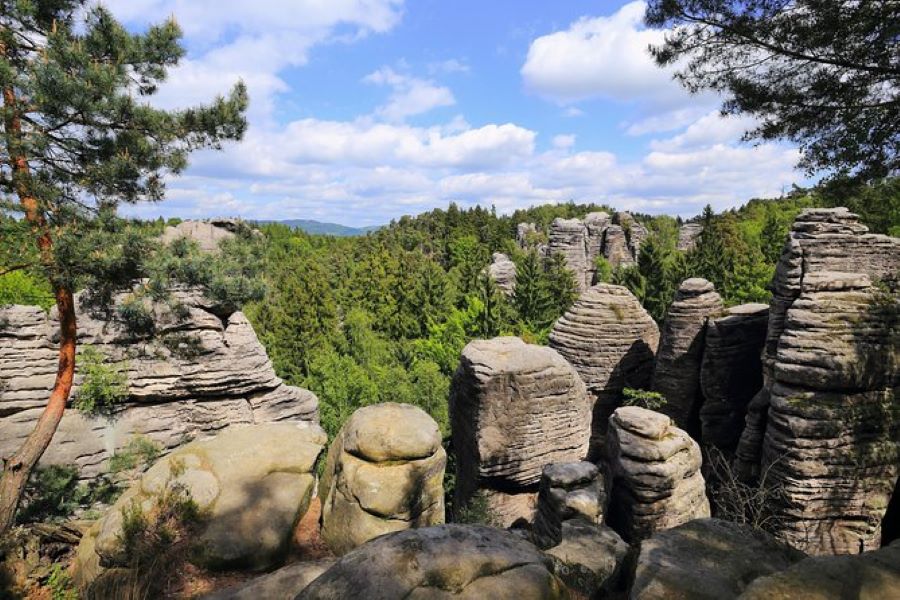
(362, 111)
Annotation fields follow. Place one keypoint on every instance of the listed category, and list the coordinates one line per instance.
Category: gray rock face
(251, 484)
(569, 237)
(384, 473)
(514, 407)
(635, 232)
(687, 236)
(467, 562)
(677, 372)
(830, 372)
(615, 247)
(655, 474)
(525, 233)
(596, 223)
(870, 575)
(567, 491)
(611, 341)
(282, 584)
(503, 271)
(731, 373)
(207, 234)
(200, 374)
(707, 559)
(589, 558)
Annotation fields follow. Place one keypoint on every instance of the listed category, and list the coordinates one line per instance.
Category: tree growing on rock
(78, 138)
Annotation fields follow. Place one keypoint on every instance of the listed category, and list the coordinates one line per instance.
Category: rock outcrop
(525, 235)
(203, 370)
(568, 237)
(251, 484)
(503, 271)
(207, 234)
(825, 424)
(384, 473)
(635, 233)
(590, 558)
(731, 373)
(611, 341)
(707, 559)
(687, 235)
(595, 223)
(567, 491)
(467, 562)
(677, 372)
(282, 584)
(654, 469)
(514, 407)
(870, 575)
(615, 247)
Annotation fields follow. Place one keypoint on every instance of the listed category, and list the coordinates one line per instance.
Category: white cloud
(563, 141)
(448, 66)
(410, 96)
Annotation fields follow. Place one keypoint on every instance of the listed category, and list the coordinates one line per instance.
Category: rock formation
(610, 340)
(503, 271)
(870, 575)
(250, 483)
(525, 235)
(569, 238)
(635, 233)
(731, 373)
(654, 469)
(677, 372)
(514, 407)
(825, 421)
(207, 234)
(687, 235)
(466, 562)
(590, 558)
(384, 473)
(567, 491)
(707, 559)
(615, 247)
(282, 584)
(204, 370)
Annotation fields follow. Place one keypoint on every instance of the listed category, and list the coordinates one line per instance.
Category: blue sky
(365, 110)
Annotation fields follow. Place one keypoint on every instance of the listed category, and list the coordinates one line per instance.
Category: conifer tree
(78, 138)
(531, 299)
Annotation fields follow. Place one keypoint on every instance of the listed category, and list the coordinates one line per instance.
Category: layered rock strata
(590, 558)
(204, 369)
(654, 471)
(615, 247)
(687, 236)
(503, 271)
(514, 407)
(384, 473)
(567, 491)
(611, 341)
(731, 373)
(676, 374)
(569, 237)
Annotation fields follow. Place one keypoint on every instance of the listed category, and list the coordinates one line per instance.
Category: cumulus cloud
(410, 96)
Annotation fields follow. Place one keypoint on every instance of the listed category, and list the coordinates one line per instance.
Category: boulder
(655, 474)
(677, 372)
(569, 238)
(447, 561)
(567, 491)
(687, 236)
(281, 584)
(589, 558)
(867, 576)
(610, 340)
(207, 234)
(384, 473)
(503, 271)
(204, 370)
(615, 247)
(731, 373)
(514, 407)
(707, 559)
(250, 483)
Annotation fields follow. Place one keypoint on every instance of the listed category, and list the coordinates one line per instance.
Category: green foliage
(103, 385)
(604, 271)
(21, 287)
(476, 512)
(643, 398)
(139, 453)
(60, 583)
(54, 493)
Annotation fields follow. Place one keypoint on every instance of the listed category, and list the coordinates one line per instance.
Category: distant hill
(320, 228)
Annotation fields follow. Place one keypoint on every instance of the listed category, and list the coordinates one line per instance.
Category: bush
(749, 503)
(643, 399)
(139, 453)
(60, 583)
(103, 385)
(53, 493)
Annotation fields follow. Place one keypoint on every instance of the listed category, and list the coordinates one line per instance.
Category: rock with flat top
(503, 271)
(567, 491)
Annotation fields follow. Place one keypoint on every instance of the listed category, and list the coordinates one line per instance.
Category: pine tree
(532, 299)
(657, 282)
(79, 138)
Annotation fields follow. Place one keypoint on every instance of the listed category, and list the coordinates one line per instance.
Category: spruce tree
(79, 137)
(531, 299)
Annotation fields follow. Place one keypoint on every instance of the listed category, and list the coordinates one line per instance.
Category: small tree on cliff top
(79, 138)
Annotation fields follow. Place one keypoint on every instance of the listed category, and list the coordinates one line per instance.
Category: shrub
(103, 385)
(136, 317)
(739, 501)
(60, 583)
(643, 399)
(53, 493)
(138, 453)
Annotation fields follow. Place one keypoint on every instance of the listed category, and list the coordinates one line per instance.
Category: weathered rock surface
(282, 584)
(203, 371)
(447, 561)
(677, 372)
(567, 491)
(251, 483)
(589, 558)
(707, 559)
(731, 373)
(687, 235)
(525, 235)
(826, 419)
(514, 407)
(207, 234)
(384, 473)
(568, 237)
(615, 247)
(635, 232)
(867, 576)
(611, 341)
(503, 271)
(596, 224)
(655, 471)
